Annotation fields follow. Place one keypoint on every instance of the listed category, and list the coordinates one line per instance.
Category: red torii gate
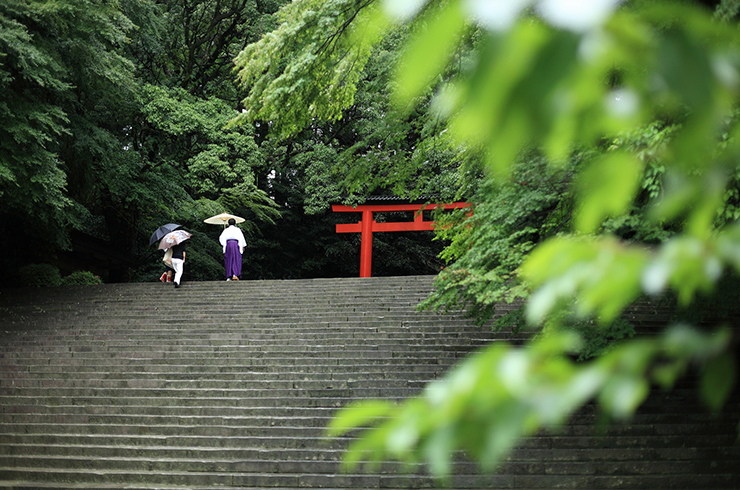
(367, 225)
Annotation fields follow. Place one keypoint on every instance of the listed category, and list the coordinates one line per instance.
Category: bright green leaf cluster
(308, 68)
(651, 92)
(493, 398)
(610, 144)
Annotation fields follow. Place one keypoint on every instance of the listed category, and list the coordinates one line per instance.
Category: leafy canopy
(549, 77)
(309, 67)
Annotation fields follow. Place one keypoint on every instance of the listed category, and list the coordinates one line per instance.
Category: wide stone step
(272, 462)
(303, 467)
(310, 399)
(146, 380)
(722, 456)
(235, 427)
(645, 422)
(226, 479)
(284, 384)
(343, 348)
(342, 371)
(246, 331)
(178, 440)
(577, 476)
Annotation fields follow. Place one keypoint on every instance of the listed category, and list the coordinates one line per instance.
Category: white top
(233, 233)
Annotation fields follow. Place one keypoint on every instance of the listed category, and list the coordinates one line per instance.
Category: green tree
(372, 149)
(564, 82)
(89, 141)
(192, 43)
(58, 61)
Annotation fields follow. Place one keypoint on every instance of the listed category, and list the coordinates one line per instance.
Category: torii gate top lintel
(367, 225)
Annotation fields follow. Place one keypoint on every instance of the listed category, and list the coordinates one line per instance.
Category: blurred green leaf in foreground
(565, 79)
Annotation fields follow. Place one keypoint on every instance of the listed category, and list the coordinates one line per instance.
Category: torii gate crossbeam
(367, 225)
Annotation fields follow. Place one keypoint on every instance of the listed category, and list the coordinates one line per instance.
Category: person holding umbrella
(233, 242)
(158, 234)
(178, 262)
(176, 241)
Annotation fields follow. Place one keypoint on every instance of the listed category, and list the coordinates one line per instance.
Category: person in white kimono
(233, 242)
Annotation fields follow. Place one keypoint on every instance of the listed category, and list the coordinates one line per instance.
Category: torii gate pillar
(367, 225)
(366, 243)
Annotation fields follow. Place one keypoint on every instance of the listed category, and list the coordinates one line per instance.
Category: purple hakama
(233, 259)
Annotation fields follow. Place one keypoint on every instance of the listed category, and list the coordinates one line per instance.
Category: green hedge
(41, 275)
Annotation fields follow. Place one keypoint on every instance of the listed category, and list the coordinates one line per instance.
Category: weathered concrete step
(233, 426)
(174, 316)
(32, 423)
(272, 464)
(302, 349)
(275, 331)
(268, 287)
(286, 357)
(521, 455)
(281, 411)
(206, 393)
(218, 324)
(148, 367)
(215, 324)
(220, 384)
(580, 424)
(229, 479)
(319, 399)
(203, 293)
(88, 451)
(348, 370)
(278, 465)
(195, 364)
(249, 338)
(154, 305)
(433, 343)
(243, 441)
(351, 341)
(246, 349)
(358, 481)
(149, 380)
(266, 307)
(320, 443)
(233, 322)
(162, 429)
(240, 360)
(157, 367)
(104, 349)
(242, 334)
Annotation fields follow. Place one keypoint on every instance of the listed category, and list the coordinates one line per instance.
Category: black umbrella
(162, 231)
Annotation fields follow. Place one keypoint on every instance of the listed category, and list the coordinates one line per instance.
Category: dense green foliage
(39, 275)
(115, 119)
(608, 138)
(57, 61)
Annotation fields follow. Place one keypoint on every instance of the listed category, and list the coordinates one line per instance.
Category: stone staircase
(231, 385)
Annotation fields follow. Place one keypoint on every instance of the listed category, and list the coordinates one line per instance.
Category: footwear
(164, 275)
(228, 279)
(177, 285)
(234, 278)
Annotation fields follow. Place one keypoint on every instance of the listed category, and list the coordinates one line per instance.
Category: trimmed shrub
(39, 275)
(81, 278)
